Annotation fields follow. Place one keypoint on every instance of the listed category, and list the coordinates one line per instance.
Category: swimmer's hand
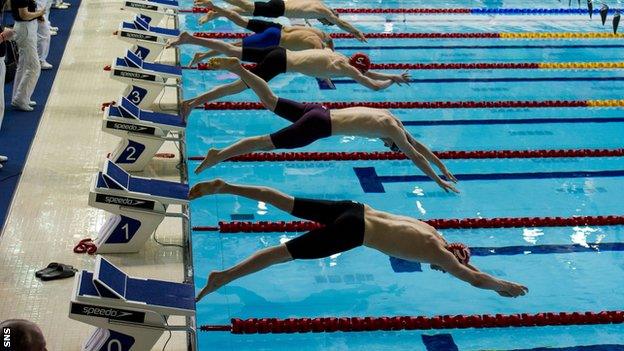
(511, 289)
(448, 175)
(401, 78)
(448, 186)
(206, 188)
(360, 36)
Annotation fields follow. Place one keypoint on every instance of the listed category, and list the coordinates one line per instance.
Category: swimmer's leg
(257, 84)
(246, 6)
(200, 56)
(241, 147)
(213, 94)
(271, 196)
(258, 261)
(218, 45)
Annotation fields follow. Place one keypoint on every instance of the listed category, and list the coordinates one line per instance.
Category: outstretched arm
(478, 279)
(356, 75)
(430, 156)
(397, 78)
(331, 17)
(397, 134)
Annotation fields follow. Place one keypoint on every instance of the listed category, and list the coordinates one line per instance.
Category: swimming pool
(363, 282)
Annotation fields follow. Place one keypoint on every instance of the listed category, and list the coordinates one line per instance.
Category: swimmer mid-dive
(311, 122)
(268, 34)
(272, 61)
(348, 225)
(304, 9)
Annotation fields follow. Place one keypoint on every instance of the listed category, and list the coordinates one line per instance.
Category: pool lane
(513, 339)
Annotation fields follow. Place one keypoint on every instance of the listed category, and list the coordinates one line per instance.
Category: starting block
(147, 41)
(143, 133)
(146, 81)
(138, 206)
(130, 314)
(155, 10)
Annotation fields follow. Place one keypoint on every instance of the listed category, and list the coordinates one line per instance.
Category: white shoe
(19, 107)
(3, 158)
(53, 33)
(54, 29)
(32, 103)
(46, 65)
(0, 166)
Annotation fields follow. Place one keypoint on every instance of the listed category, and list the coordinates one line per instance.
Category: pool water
(364, 282)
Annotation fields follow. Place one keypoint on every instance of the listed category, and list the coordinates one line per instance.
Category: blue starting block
(145, 81)
(130, 314)
(138, 206)
(147, 41)
(143, 132)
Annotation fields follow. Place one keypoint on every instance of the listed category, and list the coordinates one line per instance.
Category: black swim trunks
(310, 122)
(270, 61)
(272, 8)
(343, 230)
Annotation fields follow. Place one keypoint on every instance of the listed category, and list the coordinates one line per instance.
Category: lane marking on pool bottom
(371, 182)
(404, 266)
(498, 80)
(433, 35)
(253, 105)
(445, 342)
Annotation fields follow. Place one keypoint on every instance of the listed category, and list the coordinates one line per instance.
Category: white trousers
(28, 66)
(2, 75)
(43, 30)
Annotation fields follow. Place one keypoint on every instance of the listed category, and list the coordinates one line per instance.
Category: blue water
(362, 282)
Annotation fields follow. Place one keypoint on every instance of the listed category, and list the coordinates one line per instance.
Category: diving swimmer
(311, 122)
(272, 61)
(267, 34)
(304, 9)
(347, 225)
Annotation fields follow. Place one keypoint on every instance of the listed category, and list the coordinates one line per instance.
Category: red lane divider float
(423, 66)
(463, 223)
(230, 35)
(229, 105)
(369, 10)
(389, 155)
(364, 324)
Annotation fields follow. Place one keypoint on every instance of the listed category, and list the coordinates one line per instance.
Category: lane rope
(390, 155)
(473, 35)
(229, 105)
(366, 324)
(438, 11)
(484, 65)
(461, 223)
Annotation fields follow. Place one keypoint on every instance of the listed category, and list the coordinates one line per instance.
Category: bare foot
(226, 63)
(209, 16)
(200, 56)
(215, 281)
(185, 110)
(203, 3)
(209, 161)
(183, 38)
(206, 188)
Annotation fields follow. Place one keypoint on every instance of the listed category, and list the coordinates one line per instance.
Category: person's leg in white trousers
(28, 66)
(43, 34)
